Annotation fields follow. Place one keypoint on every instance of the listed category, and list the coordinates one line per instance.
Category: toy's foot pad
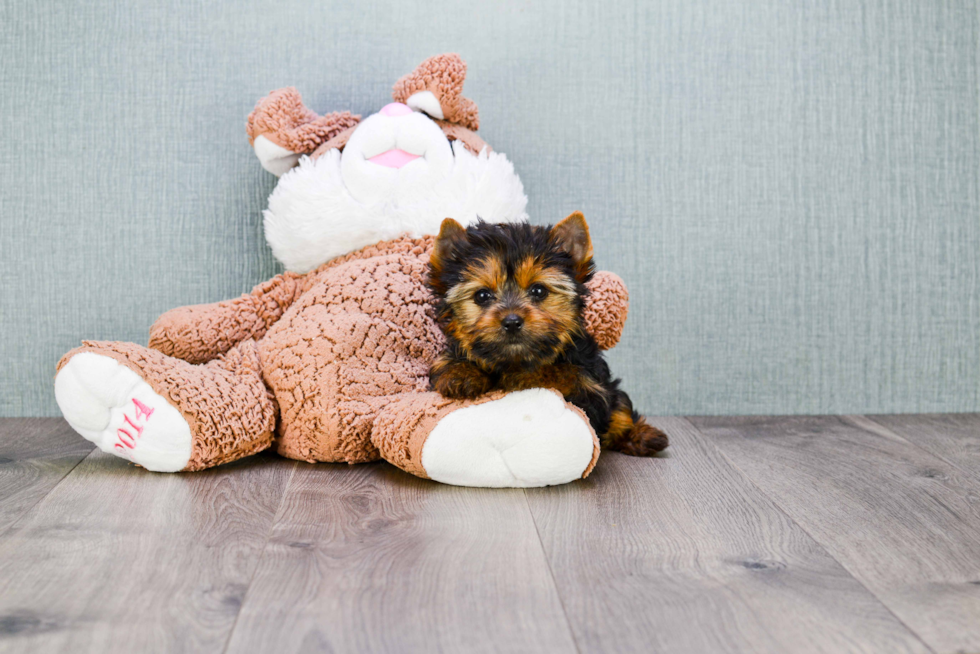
(525, 439)
(111, 406)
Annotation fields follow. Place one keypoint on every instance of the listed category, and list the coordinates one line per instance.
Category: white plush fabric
(313, 217)
(111, 406)
(411, 184)
(274, 158)
(427, 102)
(524, 440)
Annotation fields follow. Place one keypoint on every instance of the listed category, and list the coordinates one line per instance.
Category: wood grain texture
(902, 521)
(35, 454)
(753, 534)
(119, 559)
(370, 559)
(683, 554)
(953, 437)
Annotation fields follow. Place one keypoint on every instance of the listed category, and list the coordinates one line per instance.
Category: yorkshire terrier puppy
(509, 298)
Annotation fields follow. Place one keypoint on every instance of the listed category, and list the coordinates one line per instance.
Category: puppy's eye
(537, 292)
(483, 297)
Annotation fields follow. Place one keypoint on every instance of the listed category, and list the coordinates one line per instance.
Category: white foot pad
(526, 439)
(110, 405)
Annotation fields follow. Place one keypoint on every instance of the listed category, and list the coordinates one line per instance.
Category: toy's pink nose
(396, 109)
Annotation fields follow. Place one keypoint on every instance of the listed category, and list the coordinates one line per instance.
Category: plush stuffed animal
(329, 361)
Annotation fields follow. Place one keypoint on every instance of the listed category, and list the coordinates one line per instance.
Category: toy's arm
(202, 332)
(606, 307)
(281, 129)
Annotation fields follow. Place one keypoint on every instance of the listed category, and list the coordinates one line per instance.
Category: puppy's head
(512, 293)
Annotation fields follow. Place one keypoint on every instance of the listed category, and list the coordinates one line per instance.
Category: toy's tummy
(370, 317)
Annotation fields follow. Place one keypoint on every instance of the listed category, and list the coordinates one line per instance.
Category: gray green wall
(789, 187)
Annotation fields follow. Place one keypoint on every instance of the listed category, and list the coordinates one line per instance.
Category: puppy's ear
(572, 236)
(451, 237)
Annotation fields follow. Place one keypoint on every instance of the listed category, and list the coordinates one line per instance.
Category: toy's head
(511, 294)
(401, 170)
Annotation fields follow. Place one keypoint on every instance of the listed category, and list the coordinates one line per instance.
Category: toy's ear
(281, 129)
(606, 307)
(572, 236)
(436, 88)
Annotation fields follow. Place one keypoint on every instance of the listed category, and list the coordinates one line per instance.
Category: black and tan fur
(510, 298)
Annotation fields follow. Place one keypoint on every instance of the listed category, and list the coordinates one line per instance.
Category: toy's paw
(274, 158)
(526, 439)
(111, 406)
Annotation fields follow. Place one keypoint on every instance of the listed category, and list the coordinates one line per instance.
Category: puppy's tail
(644, 439)
(630, 433)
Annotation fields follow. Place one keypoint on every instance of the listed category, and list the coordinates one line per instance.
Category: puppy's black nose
(512, 324)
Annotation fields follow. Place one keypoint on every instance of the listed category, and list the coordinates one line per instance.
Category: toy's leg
(521, 439)
(163, 413)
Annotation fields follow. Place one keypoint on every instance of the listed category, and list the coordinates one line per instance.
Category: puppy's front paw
(459, 381)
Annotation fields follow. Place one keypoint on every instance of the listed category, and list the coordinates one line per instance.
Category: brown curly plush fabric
(340, 355)
(605, 311)
(200, 332)
(338, 142)
(443, 75)
(362, 334)
(283, 119)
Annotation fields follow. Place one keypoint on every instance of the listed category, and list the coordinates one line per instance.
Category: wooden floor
(801, 534)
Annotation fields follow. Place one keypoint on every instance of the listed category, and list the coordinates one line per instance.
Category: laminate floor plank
(954, 437)
(757, 534)
(370, 559)
(682, 554)
(119, 559)
(35, 454)
(904, 522)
